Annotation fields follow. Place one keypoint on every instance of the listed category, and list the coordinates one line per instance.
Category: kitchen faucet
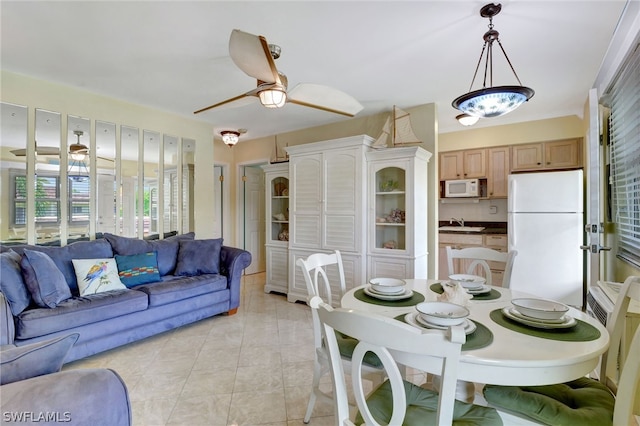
(460, 222)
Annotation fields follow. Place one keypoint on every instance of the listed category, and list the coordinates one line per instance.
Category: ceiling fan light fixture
(492, 101)
(273, 98)
(230, 137)
(466, 119)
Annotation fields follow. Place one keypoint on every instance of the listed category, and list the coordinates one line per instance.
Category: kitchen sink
(462, 228)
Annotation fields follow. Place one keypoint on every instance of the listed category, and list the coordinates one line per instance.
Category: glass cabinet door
(390, 209)
(279, 209)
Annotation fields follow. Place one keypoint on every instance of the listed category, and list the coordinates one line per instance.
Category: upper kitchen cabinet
(498, 171)
(467, 164)
(555, 155)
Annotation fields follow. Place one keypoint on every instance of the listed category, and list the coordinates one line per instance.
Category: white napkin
(454, 293)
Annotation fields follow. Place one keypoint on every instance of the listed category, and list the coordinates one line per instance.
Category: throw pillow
(167, 248)
(44, 280)
(197, 257)
(11, 282)
(138, 269)
(35, 359)
(97, 275)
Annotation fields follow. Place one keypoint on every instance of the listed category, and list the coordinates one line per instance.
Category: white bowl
(540, 308)
(468, 281)
(442, 313)
(387, 285)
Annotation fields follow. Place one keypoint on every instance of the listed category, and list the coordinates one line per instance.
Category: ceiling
(173, 55)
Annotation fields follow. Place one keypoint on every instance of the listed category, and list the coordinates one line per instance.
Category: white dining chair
(584, 401)
(480, 257)
(316, 270)
(397, 401)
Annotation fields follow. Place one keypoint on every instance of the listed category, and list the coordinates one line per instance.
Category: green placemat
(478, 339)
(412, 301)
(581, 332)
(492, 295)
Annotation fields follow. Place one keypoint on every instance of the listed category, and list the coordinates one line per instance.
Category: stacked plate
(440, 315)
(539, 313)
(388, 289)
(473, 284)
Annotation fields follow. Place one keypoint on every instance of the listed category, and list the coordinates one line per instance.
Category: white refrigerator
(546, 227)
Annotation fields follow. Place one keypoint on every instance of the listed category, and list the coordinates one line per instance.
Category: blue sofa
(196, 279)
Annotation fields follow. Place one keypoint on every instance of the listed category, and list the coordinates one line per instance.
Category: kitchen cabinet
(397, 243)
(467, 164)
(554, 155)
(277, 226)
(459, 241)
(328, 206)
(498, 161)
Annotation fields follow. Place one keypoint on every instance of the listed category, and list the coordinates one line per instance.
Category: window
(625, 158)
(47, 200)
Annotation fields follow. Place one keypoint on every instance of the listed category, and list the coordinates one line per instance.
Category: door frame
(240, 201)
(226, 201)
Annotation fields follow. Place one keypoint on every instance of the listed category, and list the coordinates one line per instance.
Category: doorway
(252, 211)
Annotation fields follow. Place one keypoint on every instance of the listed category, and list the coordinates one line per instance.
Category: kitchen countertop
(489, 227)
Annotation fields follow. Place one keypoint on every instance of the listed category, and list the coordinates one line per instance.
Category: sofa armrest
(7, 325)
(232, 262)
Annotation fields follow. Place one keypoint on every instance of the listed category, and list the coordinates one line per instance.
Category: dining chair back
(396, 401)
(316, 269)
(565, 403)
(479, 257)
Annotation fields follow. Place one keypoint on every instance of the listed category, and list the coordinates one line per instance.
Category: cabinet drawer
(460, 239)
(499, 240)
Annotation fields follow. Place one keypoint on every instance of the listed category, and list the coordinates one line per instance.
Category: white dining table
(512, 358)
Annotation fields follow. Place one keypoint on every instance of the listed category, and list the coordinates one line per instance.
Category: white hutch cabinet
(397, 213)
(277, 227)
(328, 207)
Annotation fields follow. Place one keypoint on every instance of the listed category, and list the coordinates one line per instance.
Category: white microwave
(462, 188)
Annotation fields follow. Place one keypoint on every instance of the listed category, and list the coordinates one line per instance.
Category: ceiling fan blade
(325, 98)
(250, 93)
(42, 150)
(252, 55)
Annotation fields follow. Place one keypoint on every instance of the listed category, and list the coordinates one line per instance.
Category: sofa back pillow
(11, 283)
(79, 250)
(138, 269)
(197, 257)
(97, 275)
(167, 249)
(44, 280)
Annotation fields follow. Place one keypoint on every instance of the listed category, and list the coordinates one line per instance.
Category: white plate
(387, 292)
(414, 319)
(404, 295)
(483, 289)
(567, 323)
(514, 311)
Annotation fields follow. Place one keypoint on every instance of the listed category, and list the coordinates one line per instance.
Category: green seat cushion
(580, 402)
(347, 344)
(422, 406)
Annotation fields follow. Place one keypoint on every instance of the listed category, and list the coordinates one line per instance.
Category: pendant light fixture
(466, 119)
(231, 137)
(492, 101)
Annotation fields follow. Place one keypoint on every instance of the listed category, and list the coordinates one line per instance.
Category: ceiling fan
(253, 55)
(77, 151)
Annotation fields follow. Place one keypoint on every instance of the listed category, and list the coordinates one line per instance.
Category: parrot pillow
(97, 275)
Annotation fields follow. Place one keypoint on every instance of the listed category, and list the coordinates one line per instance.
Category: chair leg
(315, 387)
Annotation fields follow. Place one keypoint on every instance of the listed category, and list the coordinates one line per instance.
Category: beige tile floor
(251, 368)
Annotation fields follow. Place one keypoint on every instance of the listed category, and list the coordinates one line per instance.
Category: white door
(106, 204)
(254, 220)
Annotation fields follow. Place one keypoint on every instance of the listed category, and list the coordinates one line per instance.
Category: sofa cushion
(97, 275)
(174, 288)
(196, 257)
(79, 250)
(36, 359)
(138, 269)
(11, 282)
(167, 248)
(79, 311)
(44, 280)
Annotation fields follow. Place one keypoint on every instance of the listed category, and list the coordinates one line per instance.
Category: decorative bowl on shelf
(442, 313)
(387, 285)
(540, 308)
